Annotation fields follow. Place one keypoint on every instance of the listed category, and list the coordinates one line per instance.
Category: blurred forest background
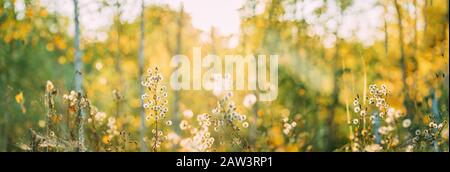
(330, 53)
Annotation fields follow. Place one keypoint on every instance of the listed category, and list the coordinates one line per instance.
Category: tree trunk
(407, 99)
(140, 78)
(78, 72)
(121, 85)
(78, 62)
(176, 98)
(331, 132)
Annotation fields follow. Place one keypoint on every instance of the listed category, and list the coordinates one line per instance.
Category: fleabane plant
(228, 123)
(376, 123)
(220, 130)
(155, 102)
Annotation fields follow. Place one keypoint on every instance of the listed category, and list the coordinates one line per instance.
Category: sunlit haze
(360, 21)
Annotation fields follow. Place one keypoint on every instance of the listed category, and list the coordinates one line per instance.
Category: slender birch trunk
(140, 77)
(78, 72)
(120, 90)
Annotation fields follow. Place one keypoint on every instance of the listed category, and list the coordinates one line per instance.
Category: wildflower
(364, 132)
(229, 94)
(288, 126)
(383, 87)
(363, 113)
(100, 116)
(293, 124)
(409, 148)
(20, 101)
(169, 122)
(373, 148)
(432, 125)
(245, 124)
(389, 120)
(232, 106)
(215, 110)
(380, 102)
(417, 132)
(285, 119)
(355, 121)
(440, 126)
(372, 89)
(194, 130)
(242, 118)
(398, 114)
(286, 131)
(173, 137)
(427, 136)
(106, 139)
(371, 101)
(49, 87)
(188, 113)
(112, 128)
(155, 101)
(415, 139)
(224, 118)
(249, 100)
(355, 102)
(357, 109)
(395, 141)
(184, 125)
(355, 147)
(383, 130)
(406, 123)
(236, 141)
(41, 123)
(390, 112)
(19, 98)
(52, 134)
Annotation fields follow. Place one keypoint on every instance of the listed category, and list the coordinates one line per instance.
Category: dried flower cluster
(52, 117)
(428, 138)
(288, 126)
(155, 102)
(225, 119)
(375, 126)
(375, 122)
(201, 139)
(215, 129)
